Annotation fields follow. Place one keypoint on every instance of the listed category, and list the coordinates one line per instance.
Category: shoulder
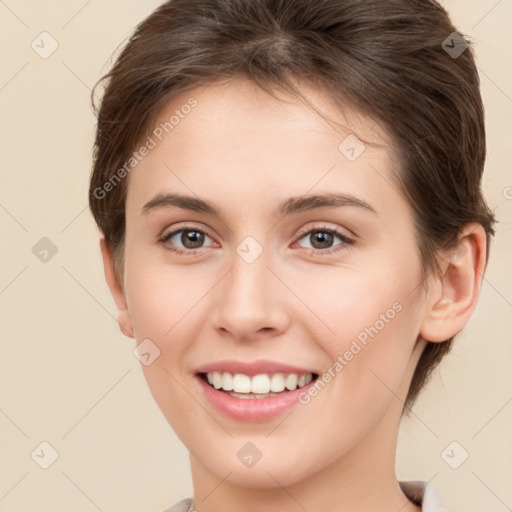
(422, 493)
(181, 506)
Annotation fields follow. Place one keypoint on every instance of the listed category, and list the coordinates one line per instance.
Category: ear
(455, 294)
(123, 315)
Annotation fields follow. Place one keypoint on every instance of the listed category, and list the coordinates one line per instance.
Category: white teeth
(258, 386)
(277, 382)
(241, 383)
(250, 395)
(217, 380)
(292, 381)
(227, 381)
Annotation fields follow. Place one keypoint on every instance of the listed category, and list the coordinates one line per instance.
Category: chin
(270, 472)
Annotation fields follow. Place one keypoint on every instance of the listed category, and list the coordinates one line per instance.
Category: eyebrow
(290, 206)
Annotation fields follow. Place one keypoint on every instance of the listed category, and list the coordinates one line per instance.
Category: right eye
(190, 237)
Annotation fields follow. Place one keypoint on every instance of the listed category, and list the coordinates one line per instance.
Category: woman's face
(275, 282)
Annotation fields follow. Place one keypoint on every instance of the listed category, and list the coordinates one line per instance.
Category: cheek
(355, 303)
(159, 298)
(164, 314)
(370, 321)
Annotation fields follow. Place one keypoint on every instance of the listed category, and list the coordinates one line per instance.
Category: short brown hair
(387, 58)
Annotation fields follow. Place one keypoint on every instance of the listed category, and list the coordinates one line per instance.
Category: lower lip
(251, 409)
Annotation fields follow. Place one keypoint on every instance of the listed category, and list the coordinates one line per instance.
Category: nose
(251, 301)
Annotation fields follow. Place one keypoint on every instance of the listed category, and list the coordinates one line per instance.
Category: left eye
(323, 238)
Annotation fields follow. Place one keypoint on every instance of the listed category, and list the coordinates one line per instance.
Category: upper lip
(251, 368)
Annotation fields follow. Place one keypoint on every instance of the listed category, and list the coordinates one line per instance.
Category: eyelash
(302, 233)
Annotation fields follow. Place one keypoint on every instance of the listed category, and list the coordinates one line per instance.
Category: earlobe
(454, 294)
(116, 289)
(125, 323)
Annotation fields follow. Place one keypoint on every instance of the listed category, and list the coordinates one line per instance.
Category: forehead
(234, 139)
(240, 108)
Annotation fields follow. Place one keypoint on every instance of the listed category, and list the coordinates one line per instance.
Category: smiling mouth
(263, 385)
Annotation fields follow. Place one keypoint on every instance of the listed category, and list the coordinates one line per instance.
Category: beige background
(67, 374)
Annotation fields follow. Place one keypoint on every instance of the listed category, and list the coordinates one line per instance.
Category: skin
(247, 152)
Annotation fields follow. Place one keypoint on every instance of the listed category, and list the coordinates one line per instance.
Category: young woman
(293, 231)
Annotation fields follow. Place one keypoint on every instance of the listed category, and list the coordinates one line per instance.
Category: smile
(259, 386)
(255, 398)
